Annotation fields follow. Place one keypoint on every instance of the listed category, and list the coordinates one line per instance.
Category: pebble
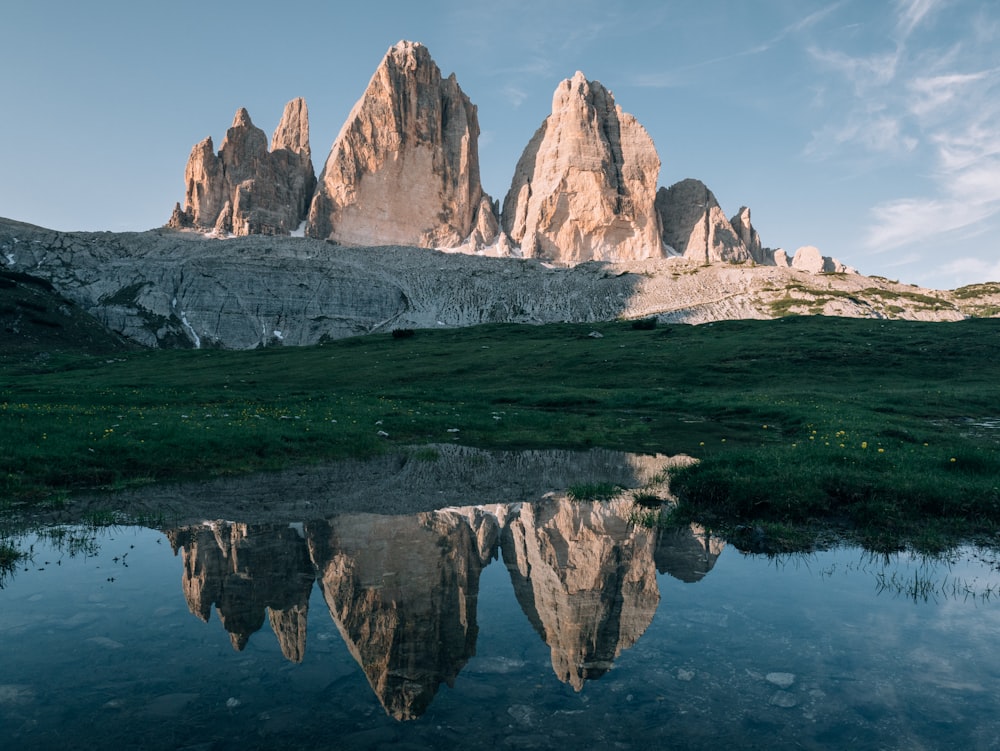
(781, 680)
(783, 699)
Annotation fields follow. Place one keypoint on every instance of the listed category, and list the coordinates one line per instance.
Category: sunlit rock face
(695, 226)
(403, 590)
(245, 570)
(247, 189)
(747, 235)
(404, 169)
(586, 579)
(585, 186)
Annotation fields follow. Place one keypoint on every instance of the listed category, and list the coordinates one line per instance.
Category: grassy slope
(790, 415)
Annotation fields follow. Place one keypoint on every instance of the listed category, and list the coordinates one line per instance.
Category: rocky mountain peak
(695, 226)
(404, 169)
(292, 132)
(585, 186)
(246, 189)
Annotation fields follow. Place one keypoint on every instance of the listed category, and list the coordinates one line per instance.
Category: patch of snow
(186, 324)
(300, 231)
(278, 335)
(10, 259)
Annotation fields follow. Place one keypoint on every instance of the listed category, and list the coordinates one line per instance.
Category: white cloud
(909, 220)
(864, 72)
(933, 93)
(678, 76)
(968, 267)
(515, 95)
(912, 12)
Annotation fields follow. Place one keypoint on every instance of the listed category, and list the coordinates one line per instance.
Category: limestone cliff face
(694, 225)
(178, 289)
(404, 169)
(747, 235)
(245, 570)
(402, 591)
(585, 186)
(586, 579)
(247, 189)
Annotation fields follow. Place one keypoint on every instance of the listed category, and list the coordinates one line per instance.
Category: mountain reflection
(246, 571)
(586, 579)
(403, 590)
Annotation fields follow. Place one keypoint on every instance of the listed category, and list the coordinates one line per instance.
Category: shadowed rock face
(585, 186)
(694, 225)
(404, 169)
(246, 189)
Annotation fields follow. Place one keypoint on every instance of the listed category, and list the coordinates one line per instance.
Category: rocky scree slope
(168, 289)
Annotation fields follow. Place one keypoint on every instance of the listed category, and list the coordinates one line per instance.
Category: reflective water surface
(521, 625)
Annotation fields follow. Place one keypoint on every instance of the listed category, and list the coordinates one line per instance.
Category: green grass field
(879, 426)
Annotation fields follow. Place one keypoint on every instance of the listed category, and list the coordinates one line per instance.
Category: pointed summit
(404, 169)
(585, 185)
(246, 189)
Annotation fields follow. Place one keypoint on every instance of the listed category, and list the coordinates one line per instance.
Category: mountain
(585, 186)
(247, 189)
(404, 169)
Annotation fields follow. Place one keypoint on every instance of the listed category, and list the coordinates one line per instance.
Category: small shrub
(593, 491)
(402, 333)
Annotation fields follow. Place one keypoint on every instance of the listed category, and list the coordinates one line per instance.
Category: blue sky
(869, 128)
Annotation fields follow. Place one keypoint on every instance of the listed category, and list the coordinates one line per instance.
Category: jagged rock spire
(246, 189)
(404, 169)
(585, 186)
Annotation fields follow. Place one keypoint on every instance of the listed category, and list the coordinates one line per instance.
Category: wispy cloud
(877, 132)
(912, 12)
(961, 114)
(932, 93)
(677, 76)
(938, 105)
(865, 73)
(515, 95)
(968, 267)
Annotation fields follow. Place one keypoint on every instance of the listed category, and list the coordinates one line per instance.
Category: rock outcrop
(745, 231)
(247, 189)
(585, 186)
(404, 169)
(695, 226)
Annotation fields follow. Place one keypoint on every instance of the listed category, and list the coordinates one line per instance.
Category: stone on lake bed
(784, 700)
(781, 680)
(13, 693)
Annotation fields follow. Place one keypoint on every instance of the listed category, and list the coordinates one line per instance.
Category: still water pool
(531, 625)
